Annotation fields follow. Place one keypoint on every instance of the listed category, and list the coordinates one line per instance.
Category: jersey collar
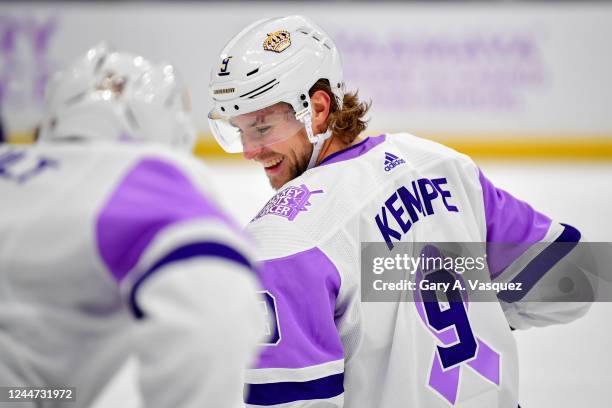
(353, 151)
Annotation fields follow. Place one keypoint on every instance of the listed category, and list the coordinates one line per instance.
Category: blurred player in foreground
(112, 244)
(278, 98)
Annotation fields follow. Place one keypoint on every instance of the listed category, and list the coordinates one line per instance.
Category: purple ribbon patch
(445, 381)
(288, 203)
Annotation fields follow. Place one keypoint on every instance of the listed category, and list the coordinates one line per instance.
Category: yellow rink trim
(536, 146)
(587, 147)
(484, 145)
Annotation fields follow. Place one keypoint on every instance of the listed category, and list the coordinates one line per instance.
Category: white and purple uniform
(328, 348)
(108, 251)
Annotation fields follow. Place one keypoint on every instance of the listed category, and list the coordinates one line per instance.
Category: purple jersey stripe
(305, 287)
(510, 221)
(193, 250)
(283, 392)
(153, 195)
(542, 263)
(351, 152)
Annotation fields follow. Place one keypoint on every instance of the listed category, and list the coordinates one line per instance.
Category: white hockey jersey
(108, 251)
(330, 349)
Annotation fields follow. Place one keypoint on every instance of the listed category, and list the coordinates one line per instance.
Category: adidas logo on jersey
(392, 161)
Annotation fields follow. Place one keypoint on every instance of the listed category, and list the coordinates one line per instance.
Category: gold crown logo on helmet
(277, 41)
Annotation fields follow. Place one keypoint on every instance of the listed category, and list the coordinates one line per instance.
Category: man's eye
(263, 130)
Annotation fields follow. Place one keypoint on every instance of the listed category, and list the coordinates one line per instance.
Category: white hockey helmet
(118, 96)
(270, 61)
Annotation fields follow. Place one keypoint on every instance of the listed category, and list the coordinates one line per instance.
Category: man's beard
(302, 164)
(297, 169)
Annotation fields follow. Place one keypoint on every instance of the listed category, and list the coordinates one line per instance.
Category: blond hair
(346, 123)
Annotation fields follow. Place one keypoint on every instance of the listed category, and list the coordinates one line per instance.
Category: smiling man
(264, 137)
(279, 99)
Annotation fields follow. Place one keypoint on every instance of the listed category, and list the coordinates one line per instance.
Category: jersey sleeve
(185, 271)
(302, 364)
(526, 247)
(201, 332)
(157, 215)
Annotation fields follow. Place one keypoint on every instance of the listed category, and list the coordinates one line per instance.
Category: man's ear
(321, 104)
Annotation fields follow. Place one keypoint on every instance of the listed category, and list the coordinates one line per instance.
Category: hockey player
(278, 98)
(112, 244)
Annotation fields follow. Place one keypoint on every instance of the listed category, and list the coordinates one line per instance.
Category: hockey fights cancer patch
(288, 203)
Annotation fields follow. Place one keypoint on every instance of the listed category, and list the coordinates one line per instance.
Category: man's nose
(250, 152)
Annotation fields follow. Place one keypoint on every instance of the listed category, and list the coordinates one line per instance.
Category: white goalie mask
(271, 61)
(118, 96)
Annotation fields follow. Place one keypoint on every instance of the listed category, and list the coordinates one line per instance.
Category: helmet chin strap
(317, 140)
(316, 147)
